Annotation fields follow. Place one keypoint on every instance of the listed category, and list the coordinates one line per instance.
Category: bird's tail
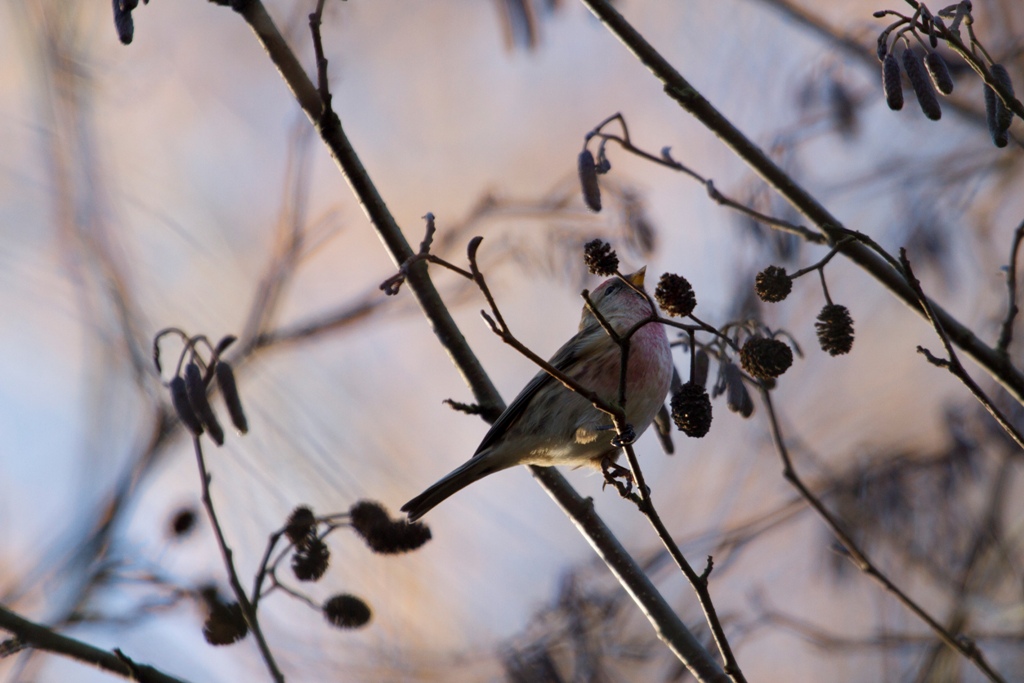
(456, 480)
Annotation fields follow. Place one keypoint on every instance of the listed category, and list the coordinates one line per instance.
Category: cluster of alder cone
(762, 355)
(310, 557)
(226, 621)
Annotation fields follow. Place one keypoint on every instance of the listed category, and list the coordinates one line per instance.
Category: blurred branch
(679, 89)
(971, 576)
(831, 642)
(291, 240)
(666, 622)
(959, 642)
(1006, 332)
(324, 323)
(668, 161)
(699, 582)
(31, 634)
(863, 54)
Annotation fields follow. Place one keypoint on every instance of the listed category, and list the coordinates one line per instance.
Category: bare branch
(31, 634)
(667, 624)
(248, 611)
(953, 364)
(679, 89)
(958, 642)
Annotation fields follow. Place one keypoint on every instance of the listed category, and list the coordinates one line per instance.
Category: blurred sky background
(157, 185)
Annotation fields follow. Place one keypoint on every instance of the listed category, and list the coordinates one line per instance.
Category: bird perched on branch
(549, 424)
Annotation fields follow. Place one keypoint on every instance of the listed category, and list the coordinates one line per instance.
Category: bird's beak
(636, 279)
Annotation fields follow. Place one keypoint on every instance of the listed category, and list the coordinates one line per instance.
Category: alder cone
(765, 358)
(691, 410)
(835, 329)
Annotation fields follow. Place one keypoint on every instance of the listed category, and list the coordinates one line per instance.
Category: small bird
(548, 424)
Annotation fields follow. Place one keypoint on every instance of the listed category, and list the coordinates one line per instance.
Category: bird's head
(619, 301)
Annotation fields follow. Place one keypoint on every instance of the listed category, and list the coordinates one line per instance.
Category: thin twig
(392, 285)
(1006, 334)
(714, 193)
(321, 61)
(953, 363)
(667, 624)
(265, 564)
(680, 90)
(782, 225)
(624, 438)
(831, 642)
(699, 582)
(958, 642)
(248, 612)
(820, 265)
(645, 504)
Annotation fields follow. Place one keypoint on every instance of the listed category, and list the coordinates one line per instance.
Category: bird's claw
(627, 437)
(618, 476)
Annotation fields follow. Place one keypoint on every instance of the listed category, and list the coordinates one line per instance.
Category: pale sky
(180, 155)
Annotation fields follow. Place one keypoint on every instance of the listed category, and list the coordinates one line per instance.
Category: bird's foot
(627, 437)
(618, 476)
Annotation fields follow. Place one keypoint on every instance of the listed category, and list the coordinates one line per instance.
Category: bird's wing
(563, 359)
(514, 411)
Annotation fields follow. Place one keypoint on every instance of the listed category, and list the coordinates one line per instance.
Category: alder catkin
(675, 295)
(588, 180)
(301, 526)
(123, 22)
(1000, 136)
(922, 85)
(384, 535)
(229, 390)
(737, 397)
(600, 258)
(1004, 115)
(701, 365)
(196, 390)
(773, 284)
(225, 624)
(939, 72)
(892, 84)
(179, 399)
(310, 561)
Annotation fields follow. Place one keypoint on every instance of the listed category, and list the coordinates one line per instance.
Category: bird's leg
(618, 476)
(627, 436)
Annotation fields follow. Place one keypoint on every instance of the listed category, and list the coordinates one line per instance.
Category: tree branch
(679, 89)
(248, 611)
(666, 622)
(31, 634)
(959, 642)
